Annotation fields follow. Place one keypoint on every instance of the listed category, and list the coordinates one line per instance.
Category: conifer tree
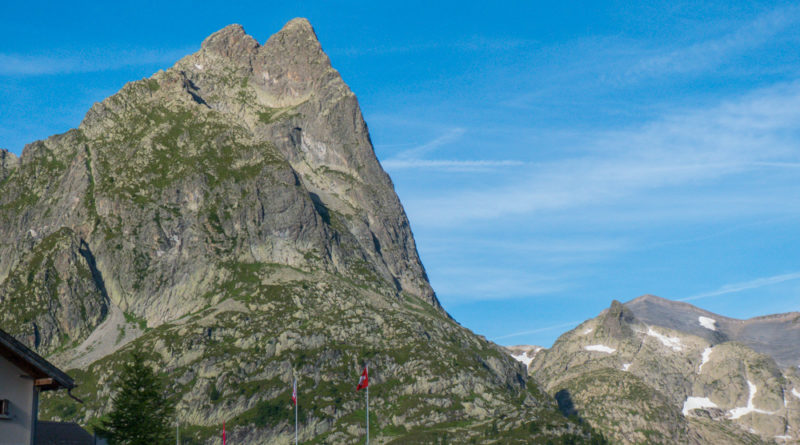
(141, 413)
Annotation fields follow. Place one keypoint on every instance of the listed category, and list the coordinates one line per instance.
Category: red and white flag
(363, 382)
(223, 432)
(294, 392)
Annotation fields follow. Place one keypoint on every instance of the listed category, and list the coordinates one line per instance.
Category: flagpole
(367, 408)
(295, 412)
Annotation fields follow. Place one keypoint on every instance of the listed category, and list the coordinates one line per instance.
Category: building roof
(62, 433)
(46, 375)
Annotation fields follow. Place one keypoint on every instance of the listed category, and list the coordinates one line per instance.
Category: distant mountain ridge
(659, 371)
(776, 335)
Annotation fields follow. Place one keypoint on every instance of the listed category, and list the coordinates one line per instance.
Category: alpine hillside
(659, 371)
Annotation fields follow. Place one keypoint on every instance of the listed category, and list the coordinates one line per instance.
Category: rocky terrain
(658, 371)
(228, 218)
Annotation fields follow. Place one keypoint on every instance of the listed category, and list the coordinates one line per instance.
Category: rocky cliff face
(657, 371)
(229, 218)
(8, 162)
(240, 152)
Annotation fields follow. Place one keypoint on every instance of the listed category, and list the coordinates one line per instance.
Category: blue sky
(551, 158)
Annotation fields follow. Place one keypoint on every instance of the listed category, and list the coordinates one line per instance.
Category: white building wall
(19, 392)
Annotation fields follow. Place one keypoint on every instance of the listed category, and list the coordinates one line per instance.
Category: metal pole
(295, 413)
(177, 434)
(367, 413)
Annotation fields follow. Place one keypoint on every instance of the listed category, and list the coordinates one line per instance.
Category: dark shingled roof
(61, 433)
(32, 363)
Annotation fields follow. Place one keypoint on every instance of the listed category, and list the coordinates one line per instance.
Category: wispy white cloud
(413, 158)
(449, 136)
(568, 324)
(707, 54)
(683, 150)
(580, 71)
(745, 285)
(68, 63)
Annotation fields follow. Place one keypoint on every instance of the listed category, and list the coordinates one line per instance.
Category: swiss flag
(363, 382)
(294, 392)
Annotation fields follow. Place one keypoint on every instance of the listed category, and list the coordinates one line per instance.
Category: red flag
(363, 382)
(294, 392)
(223, 432)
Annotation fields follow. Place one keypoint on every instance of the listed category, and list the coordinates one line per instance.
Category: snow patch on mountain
(524, 353)
(626, 366)
(600, 348)
(697, 403)
(708, 323)
(750, 408)
(670, 342)
(523, 358)
(706, 356)
(795, 393)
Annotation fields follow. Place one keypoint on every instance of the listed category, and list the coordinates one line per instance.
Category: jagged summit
(273, 123)
(299, 24)
(283, 100)
(233, 42)
(230, 41)
(617, 320)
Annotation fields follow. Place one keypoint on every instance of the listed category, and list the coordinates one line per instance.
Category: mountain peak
(300, 43)
(617, 319)
(298, 24)
(650, 298)
(230, 41)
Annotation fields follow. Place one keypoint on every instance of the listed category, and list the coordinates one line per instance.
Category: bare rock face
(228, 217)
(643, 372)
(616, 321)
(55, 292)
(240, 152)
(8, 162)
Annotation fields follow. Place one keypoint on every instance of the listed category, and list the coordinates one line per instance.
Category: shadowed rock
(617, 320)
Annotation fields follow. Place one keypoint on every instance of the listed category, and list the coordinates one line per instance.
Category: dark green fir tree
(141, 413)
